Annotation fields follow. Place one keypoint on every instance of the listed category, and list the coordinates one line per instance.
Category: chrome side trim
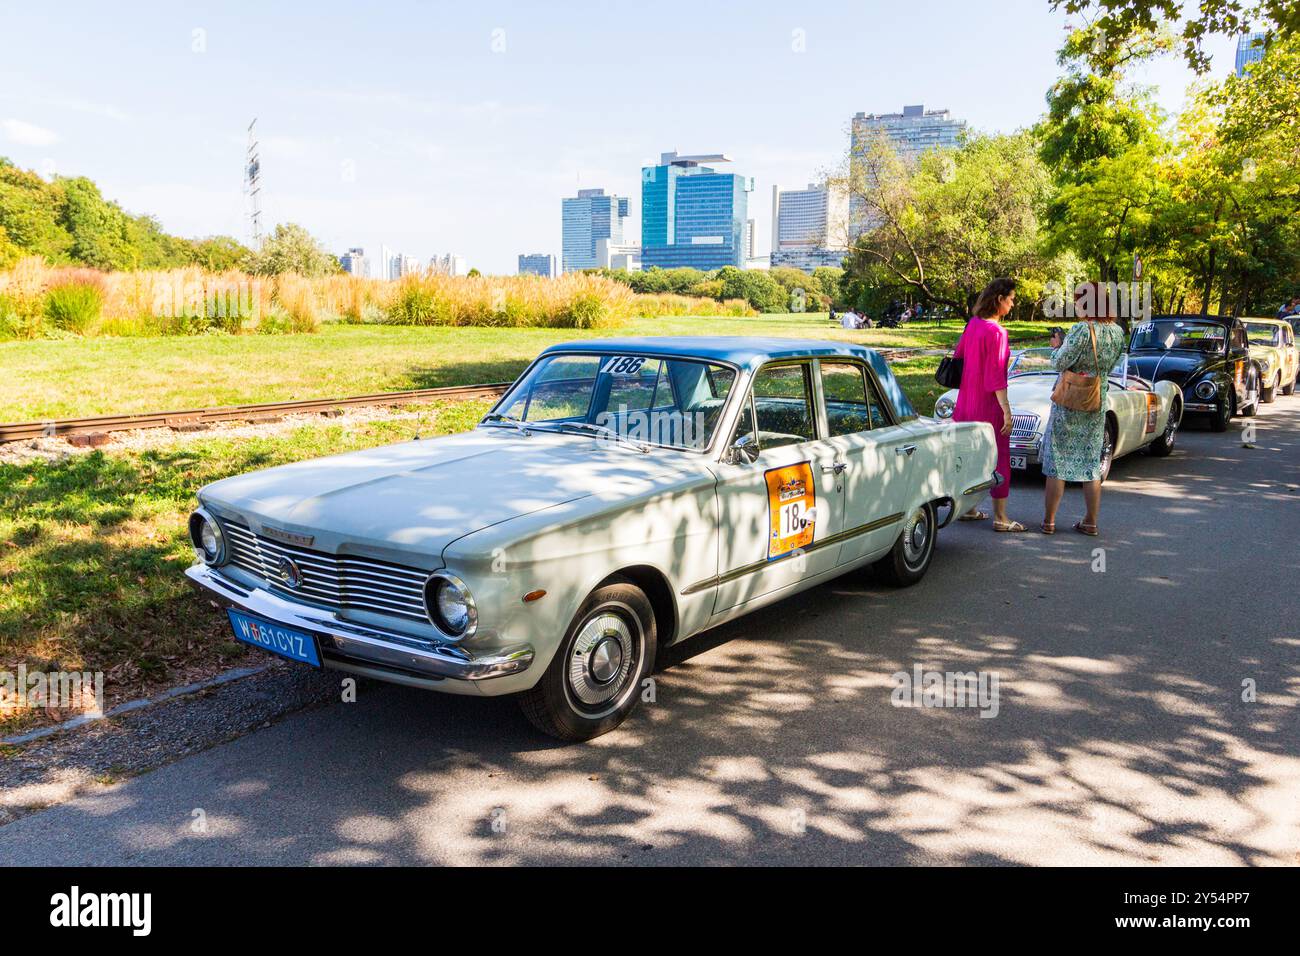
(346, 641)
(838, 538)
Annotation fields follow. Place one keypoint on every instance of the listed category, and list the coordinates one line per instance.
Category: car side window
(852, 404)
(783, 404)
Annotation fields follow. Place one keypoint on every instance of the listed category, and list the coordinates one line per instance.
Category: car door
(777, 510)
(1132, 406)
(878, 455)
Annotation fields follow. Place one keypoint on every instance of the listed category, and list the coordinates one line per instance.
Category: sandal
(1047, 527)
(1008, 526)
(973, 516)
(1082, 528)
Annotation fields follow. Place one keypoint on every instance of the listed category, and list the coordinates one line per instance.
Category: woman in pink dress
(985, 353)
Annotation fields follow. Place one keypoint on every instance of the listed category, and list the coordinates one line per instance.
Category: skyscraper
(692, 215)
(1250, 49)
(537, 264)
(587, 218)
(355, 263)
(809, 227)
(448, 265)
(912, 132)
(400, 265)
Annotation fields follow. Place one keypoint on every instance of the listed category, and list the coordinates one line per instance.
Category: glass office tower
(692, 215)
(587, 218)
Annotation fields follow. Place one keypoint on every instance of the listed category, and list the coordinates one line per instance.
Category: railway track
(67, 427)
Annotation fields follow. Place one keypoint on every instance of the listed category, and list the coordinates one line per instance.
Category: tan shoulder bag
(1075, 390)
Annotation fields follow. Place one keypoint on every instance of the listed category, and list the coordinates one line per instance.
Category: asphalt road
(1121, 735)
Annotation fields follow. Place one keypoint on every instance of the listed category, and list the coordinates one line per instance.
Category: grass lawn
(82, 377)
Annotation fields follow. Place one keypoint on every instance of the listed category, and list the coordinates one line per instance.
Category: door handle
(905, 450)
(835, 468)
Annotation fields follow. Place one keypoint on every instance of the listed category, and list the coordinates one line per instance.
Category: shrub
(74, 306)
(297, 299)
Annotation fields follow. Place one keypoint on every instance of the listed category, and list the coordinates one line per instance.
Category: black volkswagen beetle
(1207, 356)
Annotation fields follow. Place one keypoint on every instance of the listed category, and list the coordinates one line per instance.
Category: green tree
(1230, 17)
(220, 253)
(291, 248)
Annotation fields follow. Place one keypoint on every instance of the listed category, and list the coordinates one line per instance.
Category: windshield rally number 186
(623, 365)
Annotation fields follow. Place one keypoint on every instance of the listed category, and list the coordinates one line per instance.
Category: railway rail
(67, 427)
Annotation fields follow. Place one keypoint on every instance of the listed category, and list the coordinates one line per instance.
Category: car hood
(417, 497)
(1176, 367)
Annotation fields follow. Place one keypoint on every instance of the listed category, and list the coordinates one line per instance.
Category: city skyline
(465, 127)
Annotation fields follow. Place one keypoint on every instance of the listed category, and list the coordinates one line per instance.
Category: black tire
(1107, 449)
(1268, 395)
(1289, 389)
(1223, 415)
(570, 701)
(910, 557)
(1163, 445)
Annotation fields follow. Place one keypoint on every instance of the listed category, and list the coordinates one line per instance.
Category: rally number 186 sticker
(791, 505)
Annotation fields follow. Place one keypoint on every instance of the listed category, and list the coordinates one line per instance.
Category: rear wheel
(1107, 449)
(593, 681)
(910, 557)
(1163, 445)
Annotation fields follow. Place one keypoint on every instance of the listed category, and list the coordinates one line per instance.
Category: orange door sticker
(791, 499)
(1153, 411)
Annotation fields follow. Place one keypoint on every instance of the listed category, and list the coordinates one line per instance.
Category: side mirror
(743, 451)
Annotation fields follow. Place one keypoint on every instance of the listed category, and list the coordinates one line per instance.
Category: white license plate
(1020, 461)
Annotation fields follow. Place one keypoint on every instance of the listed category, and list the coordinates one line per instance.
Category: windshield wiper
(602, 430)
(497, 417)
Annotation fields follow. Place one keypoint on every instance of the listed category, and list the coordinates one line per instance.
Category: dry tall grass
(189, 301)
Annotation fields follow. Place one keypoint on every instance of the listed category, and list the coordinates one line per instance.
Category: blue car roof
(745, 351)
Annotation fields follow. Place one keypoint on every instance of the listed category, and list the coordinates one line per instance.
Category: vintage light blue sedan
(623, 495)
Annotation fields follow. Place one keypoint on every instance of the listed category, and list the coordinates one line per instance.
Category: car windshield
(672, 403)
(1261, 334)
(1039, 362)
(1188, 334)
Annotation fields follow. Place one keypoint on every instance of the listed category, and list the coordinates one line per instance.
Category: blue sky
(434, 127)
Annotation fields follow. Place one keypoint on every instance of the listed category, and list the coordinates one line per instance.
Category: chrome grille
(1024, 427)
(336, 581)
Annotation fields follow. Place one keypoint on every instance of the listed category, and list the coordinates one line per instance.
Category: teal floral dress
(1072, 448)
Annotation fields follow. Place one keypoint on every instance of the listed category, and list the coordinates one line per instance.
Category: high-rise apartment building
(537, 264)
(1250, 49)
(400, 265)
(588, 218)
(692, 215)
(810, 227)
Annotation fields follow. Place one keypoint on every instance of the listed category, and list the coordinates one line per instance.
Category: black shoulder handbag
(948, 374)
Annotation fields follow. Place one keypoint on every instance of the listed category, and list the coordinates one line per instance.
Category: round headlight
(1206, 389)
(205, 534)
(944, 407)
(449, 605)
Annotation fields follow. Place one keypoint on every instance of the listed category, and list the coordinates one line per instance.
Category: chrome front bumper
(347, 645)
(1200, 407)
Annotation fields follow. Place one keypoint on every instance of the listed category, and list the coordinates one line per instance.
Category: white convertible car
(622, 496)
(1139, 414)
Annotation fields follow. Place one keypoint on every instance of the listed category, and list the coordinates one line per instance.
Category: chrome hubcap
(916, 536)
(601, 660)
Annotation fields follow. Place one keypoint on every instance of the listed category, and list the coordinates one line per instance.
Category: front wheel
(1107, 450)
(1223, 413)
(1268, 394)
(593, 681)
(1289, 389)
(910, 557)
(1250, 407)
(1163, 445)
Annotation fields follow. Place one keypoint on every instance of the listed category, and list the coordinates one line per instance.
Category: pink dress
(985, 354)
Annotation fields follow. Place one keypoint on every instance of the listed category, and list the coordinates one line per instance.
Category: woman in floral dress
(1072, 448)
